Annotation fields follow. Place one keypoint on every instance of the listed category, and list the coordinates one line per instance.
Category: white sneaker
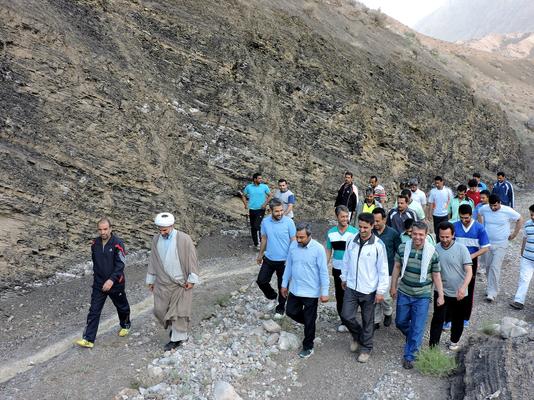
(342, 328)
(354, 346)
(454, 347)
(278, 316)
(271, 305)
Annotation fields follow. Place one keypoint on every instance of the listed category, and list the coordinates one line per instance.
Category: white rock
(288, 341)
(518, 331)
(272, 339)
(271, 326)
(224, 391)
(155, 372)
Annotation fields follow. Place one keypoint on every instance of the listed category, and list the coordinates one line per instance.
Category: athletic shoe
(354, 346)
(447, 326)
(257, 247)
(454, 347)
(387, 320)
(466, 324)
(172, 345)
(278, 316)
(364, 357)
(517, 305)
(489, 299)
(85, 343)
(124, 332)
(342, 328)
(406, 364)
(306, 353)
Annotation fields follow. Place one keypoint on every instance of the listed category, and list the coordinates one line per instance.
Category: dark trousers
(98, 298)
(470, 294)
(255, 217)
(456, 310)
(339, 292)
(304, 311)
(363, 333)
(437, 221)
(268, 268)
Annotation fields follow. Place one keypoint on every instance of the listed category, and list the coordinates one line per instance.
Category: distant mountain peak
(475, 19)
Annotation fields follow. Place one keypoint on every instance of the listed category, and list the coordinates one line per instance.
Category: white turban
(164, 219)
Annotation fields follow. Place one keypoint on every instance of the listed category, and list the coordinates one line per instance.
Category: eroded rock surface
(128, 108)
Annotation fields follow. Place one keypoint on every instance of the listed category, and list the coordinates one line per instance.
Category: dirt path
(39, 325)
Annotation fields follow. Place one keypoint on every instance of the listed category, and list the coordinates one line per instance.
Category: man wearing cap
(172, 273)
(107, 253)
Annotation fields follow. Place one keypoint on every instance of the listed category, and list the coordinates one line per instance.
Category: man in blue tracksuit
(504, 189)
(108, 253)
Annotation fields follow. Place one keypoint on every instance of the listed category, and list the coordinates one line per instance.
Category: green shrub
(433, 361)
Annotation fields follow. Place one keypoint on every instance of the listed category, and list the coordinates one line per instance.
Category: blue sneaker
(306, 353)
(466, 324)
(447, 326)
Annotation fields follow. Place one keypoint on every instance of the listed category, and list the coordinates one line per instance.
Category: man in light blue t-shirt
(496, 219)
(255, 198)
(277, 232)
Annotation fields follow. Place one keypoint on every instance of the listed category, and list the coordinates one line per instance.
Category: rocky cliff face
(128, 108)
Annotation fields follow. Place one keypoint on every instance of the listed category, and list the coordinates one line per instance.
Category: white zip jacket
(366, 270)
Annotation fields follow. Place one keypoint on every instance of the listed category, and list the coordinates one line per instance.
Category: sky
(406, 11)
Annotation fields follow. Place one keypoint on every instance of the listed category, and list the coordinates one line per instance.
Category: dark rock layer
(128, 108)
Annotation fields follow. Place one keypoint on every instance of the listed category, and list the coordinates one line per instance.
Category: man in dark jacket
(347, 195)
(504, 189)
(108, 253)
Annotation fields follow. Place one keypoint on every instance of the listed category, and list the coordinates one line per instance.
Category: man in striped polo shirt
(527, 262)
(336, 241)
(417, 265)
(471, 234)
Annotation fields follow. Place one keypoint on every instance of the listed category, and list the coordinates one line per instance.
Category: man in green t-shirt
(417, 265)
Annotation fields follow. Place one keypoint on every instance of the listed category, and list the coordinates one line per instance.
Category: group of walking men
(381, 257)
(385, 256)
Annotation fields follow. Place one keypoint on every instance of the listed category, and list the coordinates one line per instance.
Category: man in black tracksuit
(108, 253)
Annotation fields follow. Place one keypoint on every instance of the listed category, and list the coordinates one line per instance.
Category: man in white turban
(172, 273)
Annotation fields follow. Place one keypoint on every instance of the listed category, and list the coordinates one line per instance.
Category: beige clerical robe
(172, 303)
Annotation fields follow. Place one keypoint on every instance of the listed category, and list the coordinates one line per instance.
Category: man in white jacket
(365, 278)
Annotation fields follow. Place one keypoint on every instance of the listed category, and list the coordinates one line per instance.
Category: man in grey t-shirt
(286, 196)
(456, 273)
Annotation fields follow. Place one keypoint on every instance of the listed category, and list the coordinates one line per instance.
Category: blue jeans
(412, 313)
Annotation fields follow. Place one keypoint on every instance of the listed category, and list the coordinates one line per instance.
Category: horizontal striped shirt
(338, 242)
(474, 237)
(409, 283)
(529, 245)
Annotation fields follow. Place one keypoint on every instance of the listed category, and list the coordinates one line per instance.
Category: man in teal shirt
(336, 241)
(255, 198)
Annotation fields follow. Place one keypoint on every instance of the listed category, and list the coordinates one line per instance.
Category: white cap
(164, 219)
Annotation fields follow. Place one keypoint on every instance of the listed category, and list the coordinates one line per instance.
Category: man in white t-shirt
(496, 219)
(438, 202)
(417, 194)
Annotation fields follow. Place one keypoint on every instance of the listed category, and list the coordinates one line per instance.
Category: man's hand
(188, 285)
(107, 285)
(441, 300)
(283, 292)
(393, 292)
(460, 293)
(151, 287)
(379, 298)
(323, 299)
(344, 285)
(259, 260)
(511, 237)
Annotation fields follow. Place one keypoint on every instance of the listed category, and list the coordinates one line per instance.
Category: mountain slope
(474, 19)
(130, 108)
